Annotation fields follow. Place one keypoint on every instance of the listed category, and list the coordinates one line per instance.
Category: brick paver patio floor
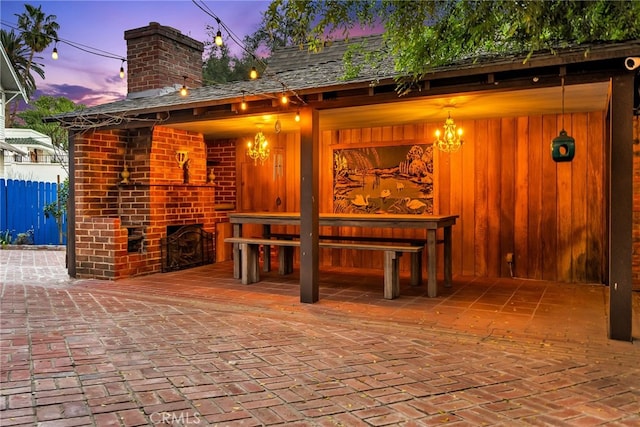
(198, 348)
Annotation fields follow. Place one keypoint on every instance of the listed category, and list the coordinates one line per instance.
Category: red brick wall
(222, 155)
(159, 56)
(99, 241)
(155, 197)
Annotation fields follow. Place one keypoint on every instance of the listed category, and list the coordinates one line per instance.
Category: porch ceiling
(546, 100)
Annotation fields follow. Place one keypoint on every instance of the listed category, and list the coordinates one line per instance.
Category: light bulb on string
(54, 54)
(254, 73)
(218, 39)
(243, 104)
(297, 116)
(183, 90)
(122, 69)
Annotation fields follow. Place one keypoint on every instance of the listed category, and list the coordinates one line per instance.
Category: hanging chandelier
(451, 140)
(258, 149)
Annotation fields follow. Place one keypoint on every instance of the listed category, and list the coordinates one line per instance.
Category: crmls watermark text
(175, 418)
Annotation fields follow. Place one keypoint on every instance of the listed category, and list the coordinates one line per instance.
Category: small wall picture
(388, 179)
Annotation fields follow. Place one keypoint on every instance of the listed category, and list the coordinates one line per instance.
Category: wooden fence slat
(22, 206)
(3, 206)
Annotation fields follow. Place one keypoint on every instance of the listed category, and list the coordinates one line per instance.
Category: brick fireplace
(119, 223)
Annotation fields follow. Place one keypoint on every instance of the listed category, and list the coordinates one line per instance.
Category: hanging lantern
(563, 147)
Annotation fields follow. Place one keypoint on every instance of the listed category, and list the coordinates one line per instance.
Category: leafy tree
(422, 35)
(221, 66)
(58, 208)
(47, 106)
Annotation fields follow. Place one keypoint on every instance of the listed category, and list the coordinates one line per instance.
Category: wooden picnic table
(429, 223)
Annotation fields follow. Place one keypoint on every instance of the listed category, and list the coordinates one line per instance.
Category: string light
(243, 104)
(184, 91)
(297, 116)
(122, 69)
(237, 40)
(283, 99)
(54, 54)
(219, 38)
(82, 47)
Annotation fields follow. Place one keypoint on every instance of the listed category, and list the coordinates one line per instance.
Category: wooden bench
(250, 250)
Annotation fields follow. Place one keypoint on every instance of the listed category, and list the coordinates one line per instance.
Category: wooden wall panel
(467, 214)
(454, 194)
(579, 199)
(480, 203)
(510, 195)
(521, 210)
(507, 149)
(549, 215)
(494, 194)
(596, 223)
(564, 228)
(534, 208)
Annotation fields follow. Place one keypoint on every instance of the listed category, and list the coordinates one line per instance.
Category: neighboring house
(11, 89)
(37, 160)
(568, 221)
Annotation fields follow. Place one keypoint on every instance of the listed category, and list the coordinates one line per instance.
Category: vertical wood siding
(510, 195)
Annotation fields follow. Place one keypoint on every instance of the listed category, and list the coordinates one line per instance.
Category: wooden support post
(416, 268)
(447, 257)
(392, 274)
(621, 207)
(432, 285)
(309, 250)
(250, 266)
(285, 259)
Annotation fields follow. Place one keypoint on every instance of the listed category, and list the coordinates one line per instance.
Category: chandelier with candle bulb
(450, 140)
(258, 150)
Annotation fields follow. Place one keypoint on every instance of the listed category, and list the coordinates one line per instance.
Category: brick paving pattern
(198, 348)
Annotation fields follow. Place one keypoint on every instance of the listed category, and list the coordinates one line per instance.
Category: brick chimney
(159, 57)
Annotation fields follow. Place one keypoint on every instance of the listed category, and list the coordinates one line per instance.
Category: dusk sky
(89, 79)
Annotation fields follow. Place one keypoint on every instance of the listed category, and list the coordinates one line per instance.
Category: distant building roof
(9, 78)
(8, 147)
(28, 137)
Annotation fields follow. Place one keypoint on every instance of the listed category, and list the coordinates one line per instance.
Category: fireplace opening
(186, 246)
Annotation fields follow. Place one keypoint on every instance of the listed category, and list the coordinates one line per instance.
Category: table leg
(237, 232)
(447, 257)
(266, 232)
(432, 283)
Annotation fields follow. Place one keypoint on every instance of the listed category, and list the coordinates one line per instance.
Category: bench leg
(416, 268)
(392, 274)
(250, 264)
(285, 259)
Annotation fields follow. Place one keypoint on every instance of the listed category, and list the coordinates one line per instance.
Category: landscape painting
(386, 179)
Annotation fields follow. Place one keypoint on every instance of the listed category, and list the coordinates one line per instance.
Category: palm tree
(38, 30)
(18, 55)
